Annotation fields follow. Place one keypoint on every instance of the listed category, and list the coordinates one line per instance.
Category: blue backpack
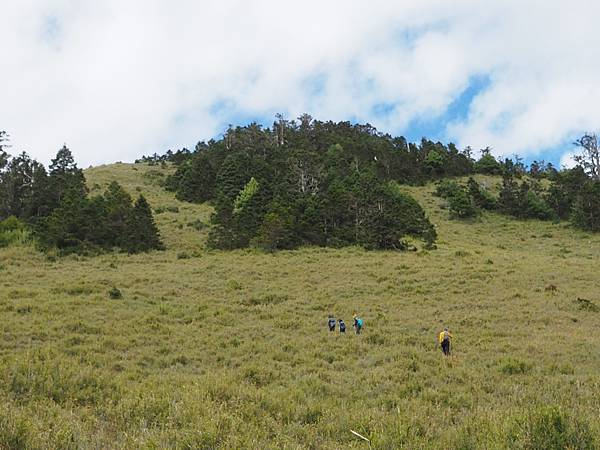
(359, 322)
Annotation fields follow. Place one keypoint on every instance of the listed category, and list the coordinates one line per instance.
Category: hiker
(331, 323)
(358, 324)
(444, 340)
(342, 326)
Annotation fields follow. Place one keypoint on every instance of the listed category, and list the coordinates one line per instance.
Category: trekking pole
(361, 436)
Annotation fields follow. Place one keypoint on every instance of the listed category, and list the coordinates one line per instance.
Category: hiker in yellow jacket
(444, 340)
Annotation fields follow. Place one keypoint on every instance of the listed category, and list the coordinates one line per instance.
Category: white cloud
(567, 160)
(117, 79)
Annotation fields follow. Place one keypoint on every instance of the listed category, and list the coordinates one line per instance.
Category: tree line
(55, 207)
(309, 182)
(570, 194)
(326, 183)
(538, 193)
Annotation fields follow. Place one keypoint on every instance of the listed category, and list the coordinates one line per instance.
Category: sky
(116, 79)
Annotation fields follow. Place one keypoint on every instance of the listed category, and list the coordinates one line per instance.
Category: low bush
(115, 294)
(550, 429)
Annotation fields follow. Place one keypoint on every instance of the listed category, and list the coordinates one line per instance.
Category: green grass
(231, 349)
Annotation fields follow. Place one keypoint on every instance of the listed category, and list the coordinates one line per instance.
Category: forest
(53, 206)
(308, 182)
(298, 183)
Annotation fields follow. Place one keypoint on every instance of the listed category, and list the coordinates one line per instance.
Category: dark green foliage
(56, 207)
(84, 224)
(524, 201)
(195, 181)
(447, 188)
(487, 164)
(277, 230)
(586, 208)
(141, 232)
(480, 196)
(115, 293)
(178, 157)
(461, 204)
(64, 177)
(299, 152)
(564, 190)
(587, 305)
(118, 210)
(320, 183)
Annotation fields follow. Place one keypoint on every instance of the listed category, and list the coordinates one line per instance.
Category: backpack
(359, 323)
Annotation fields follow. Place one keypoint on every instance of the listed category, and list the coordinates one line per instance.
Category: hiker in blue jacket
(358, 324)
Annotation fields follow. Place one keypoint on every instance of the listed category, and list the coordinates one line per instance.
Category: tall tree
(65, 176)
(589, 158)
(118, 209)
(142, 233)
(586, 208)
(4, 144)
(16, 187)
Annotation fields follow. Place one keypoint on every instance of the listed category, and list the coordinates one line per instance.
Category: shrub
(13, 232)
(586, 305)
(550, 429)
(446, 188)
(515, 367)
(115, 294)
(461, 205)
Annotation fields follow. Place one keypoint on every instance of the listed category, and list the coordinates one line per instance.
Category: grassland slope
(230, 349)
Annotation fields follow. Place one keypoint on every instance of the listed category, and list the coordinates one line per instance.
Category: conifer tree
(197, 183)
(142, 233)
(64, 175)
(586, 208)
(118, 209)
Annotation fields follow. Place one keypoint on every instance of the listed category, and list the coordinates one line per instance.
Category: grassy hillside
(213, 349)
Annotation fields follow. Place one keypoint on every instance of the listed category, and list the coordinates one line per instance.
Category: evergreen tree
(197, 182)
(461, 204)
(118, 211)
(39, 199)
(508, 201)
(65, 176)
(16, 186)
(586, 208)
(481, 197)
(70, 226)
(564, 190)
(277, 230)
(487, 164)
(141, 232)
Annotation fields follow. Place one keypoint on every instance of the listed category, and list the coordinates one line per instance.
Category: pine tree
(142, 233)
(37, 206)
(508, 201)
(119, 209)
(64, 176)
(197, 182)
(586, 208)
(16, 186)
(481, 197)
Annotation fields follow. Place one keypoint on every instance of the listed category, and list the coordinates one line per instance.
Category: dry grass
(213, 349)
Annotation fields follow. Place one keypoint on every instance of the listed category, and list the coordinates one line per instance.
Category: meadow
(210, 349)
